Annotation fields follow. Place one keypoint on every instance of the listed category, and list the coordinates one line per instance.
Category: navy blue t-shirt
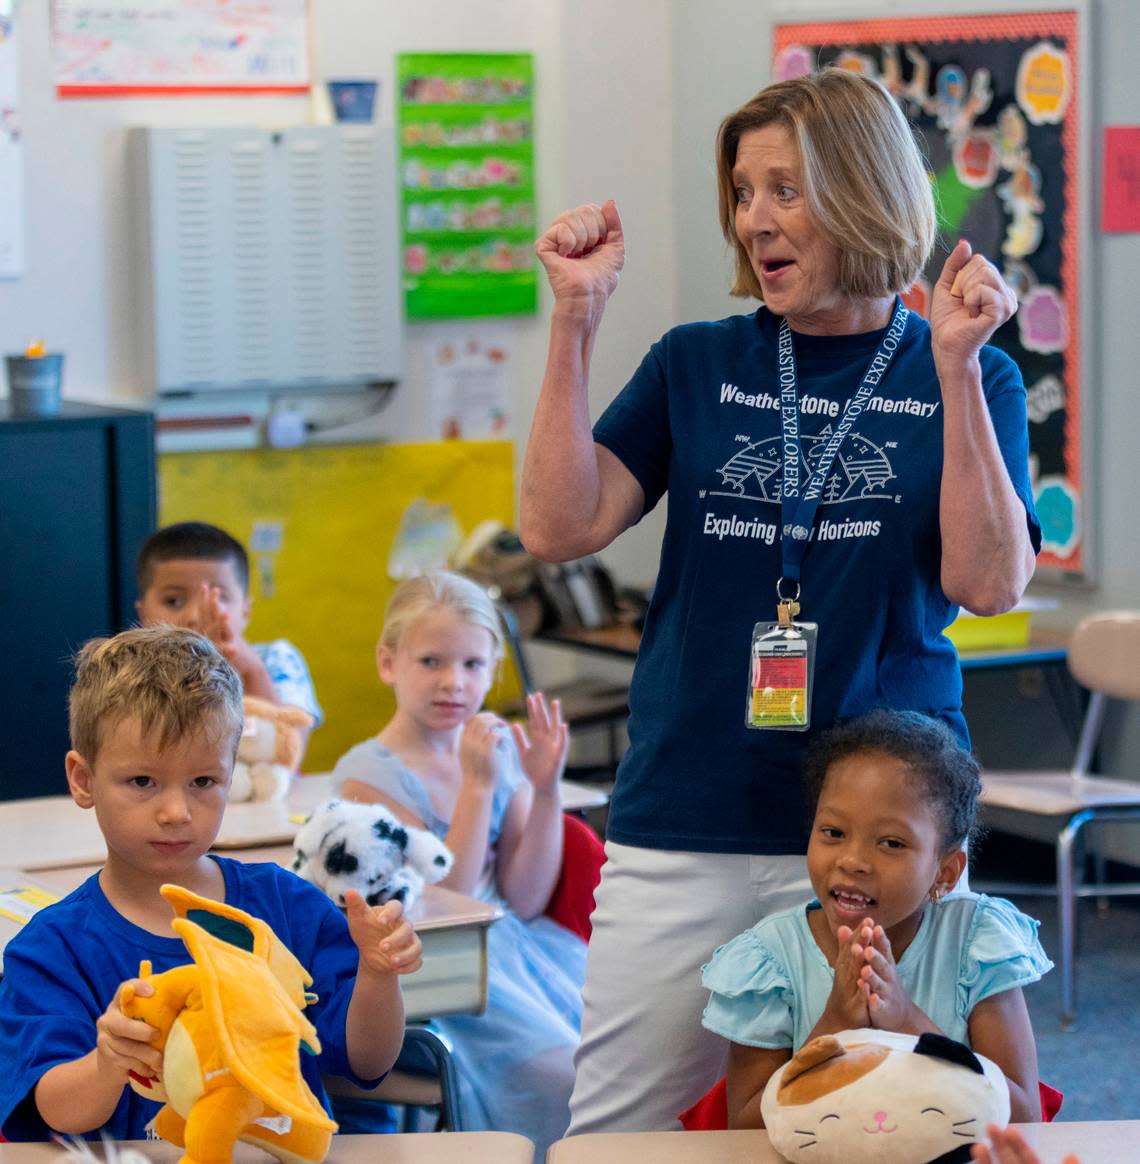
(63, 968)
(700, 422)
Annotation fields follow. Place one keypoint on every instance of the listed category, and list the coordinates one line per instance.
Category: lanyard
(798, 511)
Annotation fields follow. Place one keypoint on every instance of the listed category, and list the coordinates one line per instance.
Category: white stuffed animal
(874, 1096)
(269, 750)
(345, 845)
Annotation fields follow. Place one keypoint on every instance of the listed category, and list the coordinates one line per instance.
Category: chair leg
(1066, 914)
(1100, 875)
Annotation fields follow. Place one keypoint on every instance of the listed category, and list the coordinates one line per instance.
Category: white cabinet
(267, 258)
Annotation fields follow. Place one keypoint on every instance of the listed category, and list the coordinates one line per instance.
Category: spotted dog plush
(345, 845)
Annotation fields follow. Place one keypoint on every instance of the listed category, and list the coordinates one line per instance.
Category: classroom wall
(77, 289)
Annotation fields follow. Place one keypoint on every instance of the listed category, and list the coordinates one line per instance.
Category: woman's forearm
(561, 484)
(987, 558)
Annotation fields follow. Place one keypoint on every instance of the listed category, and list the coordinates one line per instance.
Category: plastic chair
(586, 702)
(424, 1077)
(1104, 657)
(583, 856)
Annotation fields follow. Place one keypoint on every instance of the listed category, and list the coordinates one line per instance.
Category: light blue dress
(770, 984)
(515, 1060)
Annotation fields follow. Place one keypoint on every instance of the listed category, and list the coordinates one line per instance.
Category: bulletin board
(325, 585)
(998, 103)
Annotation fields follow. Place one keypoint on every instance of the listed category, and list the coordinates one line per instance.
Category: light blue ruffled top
(769, 985)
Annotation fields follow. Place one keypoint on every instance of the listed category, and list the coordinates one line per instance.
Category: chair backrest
(583, 856)
(1104, 654)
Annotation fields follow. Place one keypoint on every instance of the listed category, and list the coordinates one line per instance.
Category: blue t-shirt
(770, 985)
(700, 421)
(63, 968)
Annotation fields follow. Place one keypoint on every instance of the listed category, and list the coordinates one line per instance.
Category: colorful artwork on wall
(995, 102)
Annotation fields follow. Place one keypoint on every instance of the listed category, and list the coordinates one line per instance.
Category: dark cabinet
(77, 499)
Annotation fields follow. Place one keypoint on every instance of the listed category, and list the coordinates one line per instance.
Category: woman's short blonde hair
(440, 589)
(864, 180)
(174, 682)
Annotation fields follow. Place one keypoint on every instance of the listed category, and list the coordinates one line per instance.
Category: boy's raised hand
(387, 941)
(123, 1044)
(543, 742)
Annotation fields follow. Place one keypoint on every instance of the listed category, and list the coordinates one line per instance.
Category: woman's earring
(935, 893)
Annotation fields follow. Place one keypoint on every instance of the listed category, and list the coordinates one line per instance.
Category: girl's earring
(935, 893)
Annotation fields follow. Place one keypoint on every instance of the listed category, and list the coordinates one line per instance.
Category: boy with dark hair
(156, 713)
(196, 575)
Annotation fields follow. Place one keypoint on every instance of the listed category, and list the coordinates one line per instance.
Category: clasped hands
(867, 991)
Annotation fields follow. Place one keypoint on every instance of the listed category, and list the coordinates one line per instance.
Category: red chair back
(583, 856)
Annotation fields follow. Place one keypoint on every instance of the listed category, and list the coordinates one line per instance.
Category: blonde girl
(491, 791)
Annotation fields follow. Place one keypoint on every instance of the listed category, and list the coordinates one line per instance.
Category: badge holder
(782, 670)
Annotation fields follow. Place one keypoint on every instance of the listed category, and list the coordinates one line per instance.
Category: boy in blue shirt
(155, 718)
(195, 575)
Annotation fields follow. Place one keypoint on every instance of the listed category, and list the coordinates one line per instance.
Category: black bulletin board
(995, 100)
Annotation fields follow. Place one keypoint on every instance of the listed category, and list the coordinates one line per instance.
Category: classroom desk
(1105, 1142)
(452, 927)
(49, 832)
(470, 1147)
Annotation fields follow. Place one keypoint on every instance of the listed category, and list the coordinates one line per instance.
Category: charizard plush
(230, 1029)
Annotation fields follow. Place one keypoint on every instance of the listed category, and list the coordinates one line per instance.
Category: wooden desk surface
(470, 1147)
(49, 832)
(1106, 1142)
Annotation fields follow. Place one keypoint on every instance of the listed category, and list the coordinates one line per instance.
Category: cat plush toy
(345, 845)
(866, 1095)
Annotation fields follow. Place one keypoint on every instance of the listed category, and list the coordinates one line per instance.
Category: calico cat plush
(863, 1096)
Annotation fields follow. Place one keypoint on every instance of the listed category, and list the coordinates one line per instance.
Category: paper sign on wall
(466, 141)
(470, 384)
(115, 49)
(1121, 211)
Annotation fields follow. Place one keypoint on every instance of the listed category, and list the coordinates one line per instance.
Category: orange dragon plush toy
(230, 1029)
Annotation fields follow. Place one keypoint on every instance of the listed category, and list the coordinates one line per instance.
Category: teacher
(830, 445)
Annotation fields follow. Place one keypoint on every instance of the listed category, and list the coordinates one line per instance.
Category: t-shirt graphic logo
(860, 472)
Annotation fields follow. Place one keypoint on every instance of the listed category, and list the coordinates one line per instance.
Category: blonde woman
(828, 447)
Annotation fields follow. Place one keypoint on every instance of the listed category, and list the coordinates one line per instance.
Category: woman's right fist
(583, 251)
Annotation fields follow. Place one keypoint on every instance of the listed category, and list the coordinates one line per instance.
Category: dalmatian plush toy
(345, 845)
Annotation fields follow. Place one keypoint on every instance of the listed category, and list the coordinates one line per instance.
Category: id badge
(782, 667)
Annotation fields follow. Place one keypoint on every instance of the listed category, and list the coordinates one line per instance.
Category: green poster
(466, 134)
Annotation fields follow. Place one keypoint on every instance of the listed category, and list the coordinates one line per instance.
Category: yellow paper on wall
(337, 510)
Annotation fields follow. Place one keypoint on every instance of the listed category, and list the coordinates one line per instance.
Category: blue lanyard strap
(798, 511)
